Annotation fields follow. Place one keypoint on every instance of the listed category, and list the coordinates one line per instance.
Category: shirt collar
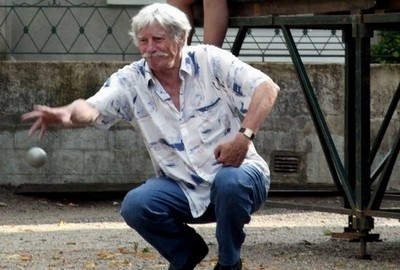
(148, 75)
(186, 62)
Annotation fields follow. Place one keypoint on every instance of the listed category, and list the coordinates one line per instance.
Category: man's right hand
(45, 116)
(78, 112)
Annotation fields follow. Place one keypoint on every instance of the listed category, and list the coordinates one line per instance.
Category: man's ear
(182, 40)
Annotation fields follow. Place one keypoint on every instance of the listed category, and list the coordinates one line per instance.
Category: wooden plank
(355, 236)
(291, 7)
(387, 6)
(245, 8)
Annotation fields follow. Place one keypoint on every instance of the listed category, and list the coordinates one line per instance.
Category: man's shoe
(237, 266)
(198, 253)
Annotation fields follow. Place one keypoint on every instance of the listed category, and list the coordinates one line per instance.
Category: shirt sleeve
(115, 99)
(237, 78)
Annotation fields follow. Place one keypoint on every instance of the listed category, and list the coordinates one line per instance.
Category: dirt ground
(86, 232)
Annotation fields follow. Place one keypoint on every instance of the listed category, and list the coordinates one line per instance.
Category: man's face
(156, 45)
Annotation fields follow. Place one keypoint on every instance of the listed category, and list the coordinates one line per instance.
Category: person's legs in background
(216, 16)
(187, 7)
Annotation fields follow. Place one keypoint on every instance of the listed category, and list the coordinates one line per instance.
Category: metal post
(362, 129)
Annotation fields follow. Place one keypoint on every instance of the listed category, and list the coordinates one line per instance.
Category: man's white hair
(169, 17)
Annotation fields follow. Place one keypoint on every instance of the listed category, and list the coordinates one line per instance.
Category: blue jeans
(159, 211)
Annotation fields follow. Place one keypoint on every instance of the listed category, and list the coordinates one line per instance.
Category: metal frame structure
(362, 190)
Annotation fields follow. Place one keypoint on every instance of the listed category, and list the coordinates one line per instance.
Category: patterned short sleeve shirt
(216, 89)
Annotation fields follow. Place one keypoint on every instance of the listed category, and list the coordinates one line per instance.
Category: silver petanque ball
(36, 157)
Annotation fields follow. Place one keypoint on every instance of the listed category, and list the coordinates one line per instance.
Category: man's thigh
(162, 194)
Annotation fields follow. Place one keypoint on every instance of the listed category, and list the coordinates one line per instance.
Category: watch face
(247, 132)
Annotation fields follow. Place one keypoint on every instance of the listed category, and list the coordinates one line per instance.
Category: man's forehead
(154, 28)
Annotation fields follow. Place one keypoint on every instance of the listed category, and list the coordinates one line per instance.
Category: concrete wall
(88, 155)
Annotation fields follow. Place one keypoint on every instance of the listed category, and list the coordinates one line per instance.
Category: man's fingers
(41, 108)
(31, 115)
(231, 153)
(38, 111)
(42, 115)
(35, 126)
(217, 152)
(43, 129)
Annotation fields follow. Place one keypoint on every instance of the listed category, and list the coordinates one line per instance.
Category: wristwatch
(247, 132)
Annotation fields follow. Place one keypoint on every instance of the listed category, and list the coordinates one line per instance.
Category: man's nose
(150, 47)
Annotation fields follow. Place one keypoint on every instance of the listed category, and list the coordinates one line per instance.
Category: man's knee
(226, 182)
(132, 208)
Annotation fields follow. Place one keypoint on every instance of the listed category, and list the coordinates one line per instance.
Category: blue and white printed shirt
(215, 87)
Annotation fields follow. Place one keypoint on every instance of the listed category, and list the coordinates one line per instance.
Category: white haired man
(186, 100)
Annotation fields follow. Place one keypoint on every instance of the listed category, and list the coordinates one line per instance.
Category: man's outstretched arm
(78, 112)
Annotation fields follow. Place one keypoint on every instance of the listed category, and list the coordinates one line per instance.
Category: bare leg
(187, 7)
(216, 16)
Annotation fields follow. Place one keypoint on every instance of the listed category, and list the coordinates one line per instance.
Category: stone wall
(86, 155)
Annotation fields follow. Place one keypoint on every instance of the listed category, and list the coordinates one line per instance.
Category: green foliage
(387, 50)
(135, 246)
(327, 232)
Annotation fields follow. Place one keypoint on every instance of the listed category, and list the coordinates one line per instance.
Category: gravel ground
(45, 232)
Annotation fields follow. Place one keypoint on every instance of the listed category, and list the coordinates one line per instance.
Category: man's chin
(156, 66)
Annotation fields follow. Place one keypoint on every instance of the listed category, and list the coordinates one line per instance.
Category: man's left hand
(232, 153)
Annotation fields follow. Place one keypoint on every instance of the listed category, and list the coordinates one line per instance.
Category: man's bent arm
(261, 105)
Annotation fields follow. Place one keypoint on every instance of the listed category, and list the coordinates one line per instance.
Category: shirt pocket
(213, 121)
